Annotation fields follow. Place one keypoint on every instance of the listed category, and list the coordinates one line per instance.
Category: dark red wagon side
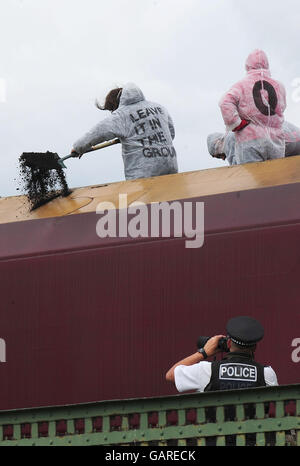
(85, 319)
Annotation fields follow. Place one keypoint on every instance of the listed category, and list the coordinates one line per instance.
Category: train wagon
(86, 317)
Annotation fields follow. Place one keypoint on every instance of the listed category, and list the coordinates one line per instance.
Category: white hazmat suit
(221, 143)
(146, 132)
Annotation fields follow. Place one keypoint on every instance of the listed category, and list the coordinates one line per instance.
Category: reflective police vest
(236, 370)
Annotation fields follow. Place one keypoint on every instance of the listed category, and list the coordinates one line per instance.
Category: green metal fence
(260, 416)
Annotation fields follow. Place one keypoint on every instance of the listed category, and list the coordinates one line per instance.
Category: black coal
(39, 183)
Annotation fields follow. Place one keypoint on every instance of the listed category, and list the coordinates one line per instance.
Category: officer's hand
(211, 347)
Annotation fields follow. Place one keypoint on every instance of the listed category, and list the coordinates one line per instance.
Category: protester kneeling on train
(292, 139)
(254, 110)
(145, 129)
(222, 145)
(237, 369)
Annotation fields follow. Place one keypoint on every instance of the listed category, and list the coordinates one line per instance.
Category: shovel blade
(61, 163)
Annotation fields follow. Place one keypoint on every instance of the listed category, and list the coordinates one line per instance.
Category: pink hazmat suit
(260, 101)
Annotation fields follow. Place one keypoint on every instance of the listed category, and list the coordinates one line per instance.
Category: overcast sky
(57, 56)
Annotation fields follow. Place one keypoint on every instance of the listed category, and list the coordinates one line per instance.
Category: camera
(222, 345)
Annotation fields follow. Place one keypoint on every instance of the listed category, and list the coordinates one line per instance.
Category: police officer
(237, 369)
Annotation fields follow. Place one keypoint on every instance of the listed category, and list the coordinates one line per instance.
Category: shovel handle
(97, 147)
(105, 144)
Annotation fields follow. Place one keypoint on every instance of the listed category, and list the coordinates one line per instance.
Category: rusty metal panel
(223, 212)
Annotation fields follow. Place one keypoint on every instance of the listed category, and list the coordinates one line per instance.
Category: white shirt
(197, 376)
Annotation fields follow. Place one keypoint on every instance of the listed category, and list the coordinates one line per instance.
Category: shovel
(52, 161)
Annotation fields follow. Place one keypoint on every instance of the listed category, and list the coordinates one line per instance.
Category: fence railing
(260, 416)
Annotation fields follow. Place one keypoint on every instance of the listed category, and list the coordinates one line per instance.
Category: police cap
(244, 331)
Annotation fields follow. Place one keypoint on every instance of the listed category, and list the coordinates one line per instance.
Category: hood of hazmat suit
(259, 100)
(220, 143)
(146, 132)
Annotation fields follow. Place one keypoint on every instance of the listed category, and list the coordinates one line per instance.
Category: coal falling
(40, 183)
